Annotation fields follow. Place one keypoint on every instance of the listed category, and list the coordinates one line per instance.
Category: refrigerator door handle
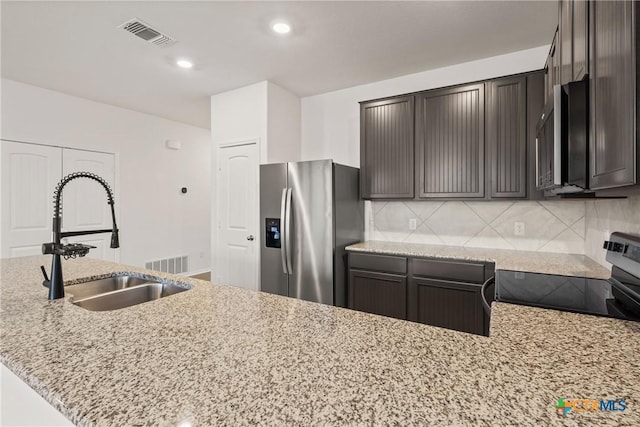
(287, 236)
(283, 230)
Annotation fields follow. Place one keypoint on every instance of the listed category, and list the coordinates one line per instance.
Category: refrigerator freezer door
(273, 179)
(311, 248)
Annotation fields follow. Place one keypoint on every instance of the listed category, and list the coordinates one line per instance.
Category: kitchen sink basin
(101, 286)
(118, 292)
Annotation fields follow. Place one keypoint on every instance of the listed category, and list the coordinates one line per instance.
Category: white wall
(262, 112)
(283, 126)
(240, 115)
(330, 121)
(155, 219)
(237, 116)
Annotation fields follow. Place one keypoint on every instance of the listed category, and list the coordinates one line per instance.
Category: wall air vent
(147, 33)
(175, 265)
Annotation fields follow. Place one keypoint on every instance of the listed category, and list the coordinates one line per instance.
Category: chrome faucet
(73, 250)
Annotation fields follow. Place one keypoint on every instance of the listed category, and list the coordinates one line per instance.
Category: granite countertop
(219, 355)
(534, 262)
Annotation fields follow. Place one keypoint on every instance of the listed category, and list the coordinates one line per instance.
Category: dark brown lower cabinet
(446, 304)
(438, 292)
(378, 293)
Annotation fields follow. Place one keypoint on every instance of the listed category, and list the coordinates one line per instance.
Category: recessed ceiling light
(183, 63)
(281, 27)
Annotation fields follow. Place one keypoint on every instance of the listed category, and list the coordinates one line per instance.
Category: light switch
(413, 224)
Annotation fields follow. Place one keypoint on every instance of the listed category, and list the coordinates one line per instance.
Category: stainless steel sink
(118, 292)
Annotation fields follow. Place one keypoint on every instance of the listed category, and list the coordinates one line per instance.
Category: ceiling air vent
(147, 33)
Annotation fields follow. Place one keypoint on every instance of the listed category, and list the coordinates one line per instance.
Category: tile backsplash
(565, 226)
(557, 226)
(605, 216)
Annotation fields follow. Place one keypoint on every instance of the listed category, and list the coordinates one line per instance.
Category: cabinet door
(535, 105)
(450, 142)
(547, 80)
(555, 63)
(566, 40)
(30, 173)
(579, 50)
(550, 78)
(387, 148)
(378, 293)
(446, 304)
(613, 93)
(507, 137)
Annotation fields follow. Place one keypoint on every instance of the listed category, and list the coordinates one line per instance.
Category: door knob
(250, 237)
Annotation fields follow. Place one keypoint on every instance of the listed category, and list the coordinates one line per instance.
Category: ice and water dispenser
(272, 229)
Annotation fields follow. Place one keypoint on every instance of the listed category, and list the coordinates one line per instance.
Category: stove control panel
(623, 251)
(614, 246)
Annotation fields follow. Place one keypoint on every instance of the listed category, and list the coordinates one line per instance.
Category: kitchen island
(219, 355)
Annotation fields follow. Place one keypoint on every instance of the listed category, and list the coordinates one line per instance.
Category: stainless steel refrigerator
(310, 211)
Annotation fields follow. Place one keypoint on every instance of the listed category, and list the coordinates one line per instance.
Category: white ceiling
(76, 47)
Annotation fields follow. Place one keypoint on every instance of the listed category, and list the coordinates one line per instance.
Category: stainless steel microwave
(562, 138)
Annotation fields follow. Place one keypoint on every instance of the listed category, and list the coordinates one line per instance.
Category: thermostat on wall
(173, 144)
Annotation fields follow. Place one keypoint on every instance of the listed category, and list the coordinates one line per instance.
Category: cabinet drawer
(445, 304)
(448, 270)
(385, 263)
(378, 293)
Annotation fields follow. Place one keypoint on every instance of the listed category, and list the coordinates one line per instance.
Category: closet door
(29, 176)
(85, 201)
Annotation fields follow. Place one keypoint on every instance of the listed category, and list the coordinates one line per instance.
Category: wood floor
(203, 276)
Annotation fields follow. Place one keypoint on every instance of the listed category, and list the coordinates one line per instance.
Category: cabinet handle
(483, 291)
(283, 231)
(287, 237)
(538, 163)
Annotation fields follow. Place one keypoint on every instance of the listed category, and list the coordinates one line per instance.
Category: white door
(84, 201)
(29, 176)
(238, 213)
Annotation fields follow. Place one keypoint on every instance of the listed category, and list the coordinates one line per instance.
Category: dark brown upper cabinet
(387, 148)
(565, 19)
(507, 137)
(450, 142)
(535, 104)
(551, 69)
(580, 47)
(573, 33)
(613, 93)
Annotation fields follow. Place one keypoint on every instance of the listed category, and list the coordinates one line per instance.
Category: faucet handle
(115, 240)
(46, 282)
(49, 248)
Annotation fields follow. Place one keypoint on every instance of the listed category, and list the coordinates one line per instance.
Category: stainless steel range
(618, 296)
